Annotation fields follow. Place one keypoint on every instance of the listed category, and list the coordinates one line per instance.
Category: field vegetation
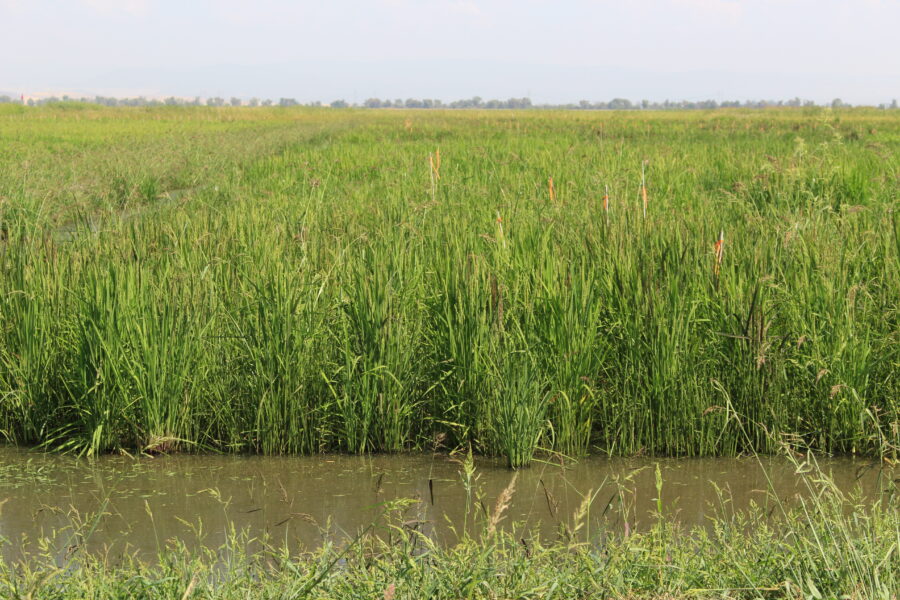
(300, 280)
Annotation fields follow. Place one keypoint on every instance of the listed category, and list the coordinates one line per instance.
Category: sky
(551, 51)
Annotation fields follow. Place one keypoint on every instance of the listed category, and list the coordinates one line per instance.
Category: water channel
(117, 504)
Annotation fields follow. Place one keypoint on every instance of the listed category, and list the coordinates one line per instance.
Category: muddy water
(119, 504)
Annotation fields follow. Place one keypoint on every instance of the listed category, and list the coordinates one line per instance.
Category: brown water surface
(116, 504)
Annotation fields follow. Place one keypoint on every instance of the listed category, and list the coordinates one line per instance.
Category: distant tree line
(428, 103)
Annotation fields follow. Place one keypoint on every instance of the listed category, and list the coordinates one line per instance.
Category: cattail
(720, 250)
(606, 203)
(552, 189)
(497, 299)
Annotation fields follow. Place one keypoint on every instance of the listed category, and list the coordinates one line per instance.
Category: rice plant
(294, 281)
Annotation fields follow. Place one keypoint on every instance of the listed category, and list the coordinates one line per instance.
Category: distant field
(298, 281)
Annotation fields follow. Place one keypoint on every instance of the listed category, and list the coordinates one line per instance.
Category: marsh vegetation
(299, 281)
(521, 285)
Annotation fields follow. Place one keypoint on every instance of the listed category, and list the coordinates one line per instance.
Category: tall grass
(311, 287)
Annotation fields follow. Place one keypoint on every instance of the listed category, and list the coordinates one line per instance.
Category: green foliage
(296, 281)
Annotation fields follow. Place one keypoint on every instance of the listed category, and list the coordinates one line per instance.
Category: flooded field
(114, 504)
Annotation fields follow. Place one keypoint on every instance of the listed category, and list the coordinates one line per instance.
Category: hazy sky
(552, 51)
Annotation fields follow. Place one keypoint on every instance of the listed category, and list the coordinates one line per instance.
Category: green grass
(289, 281)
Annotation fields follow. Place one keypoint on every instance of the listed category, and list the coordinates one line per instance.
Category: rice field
(518, 282)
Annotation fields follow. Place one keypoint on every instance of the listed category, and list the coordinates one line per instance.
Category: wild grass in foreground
(827, 546)
(329, 281)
